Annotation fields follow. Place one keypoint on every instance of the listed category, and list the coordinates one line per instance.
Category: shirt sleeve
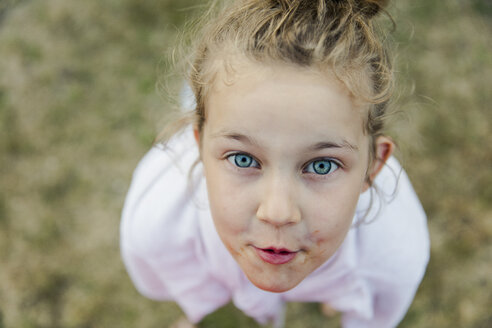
(160, 242)
(393, 249)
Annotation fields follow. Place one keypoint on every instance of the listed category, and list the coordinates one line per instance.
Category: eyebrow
(317, 146)
(236, 136)
(343, 144)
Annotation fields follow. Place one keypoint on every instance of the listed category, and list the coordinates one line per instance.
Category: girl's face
(285, 160)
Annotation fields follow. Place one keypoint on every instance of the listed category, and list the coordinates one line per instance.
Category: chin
(273, 285)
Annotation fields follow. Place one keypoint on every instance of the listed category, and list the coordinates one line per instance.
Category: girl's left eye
(322, 167)
(242, 160)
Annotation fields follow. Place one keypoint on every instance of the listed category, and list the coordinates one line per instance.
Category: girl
(291, 98)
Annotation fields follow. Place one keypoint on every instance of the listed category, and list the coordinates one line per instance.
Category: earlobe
(196, 133)
(383, 149)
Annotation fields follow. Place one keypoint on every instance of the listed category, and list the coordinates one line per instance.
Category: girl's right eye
(242, 160)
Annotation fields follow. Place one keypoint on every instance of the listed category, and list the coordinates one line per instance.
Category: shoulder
(159, 208)
(394, 243)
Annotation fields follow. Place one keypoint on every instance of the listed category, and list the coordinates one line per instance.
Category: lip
(275, 255)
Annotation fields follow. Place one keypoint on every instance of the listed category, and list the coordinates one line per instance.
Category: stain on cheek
(316, 237)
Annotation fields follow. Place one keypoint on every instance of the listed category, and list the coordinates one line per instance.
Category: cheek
(330, 232)
(229, 203)
(327, 239)
(332, 216)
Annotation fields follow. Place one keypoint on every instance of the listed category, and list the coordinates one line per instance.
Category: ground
(82, 97)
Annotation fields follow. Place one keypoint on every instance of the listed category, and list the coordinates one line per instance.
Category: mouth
(274, 255)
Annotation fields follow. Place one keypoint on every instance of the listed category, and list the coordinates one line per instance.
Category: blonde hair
(332, 35)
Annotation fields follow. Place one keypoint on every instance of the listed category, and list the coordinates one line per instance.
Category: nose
(279, 203)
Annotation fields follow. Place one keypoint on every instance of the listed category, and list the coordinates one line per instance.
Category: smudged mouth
(275, 255)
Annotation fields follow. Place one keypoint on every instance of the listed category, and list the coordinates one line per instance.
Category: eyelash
(234, 161)
(253, 163)
(332, 163)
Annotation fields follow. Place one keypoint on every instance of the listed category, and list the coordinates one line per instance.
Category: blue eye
(322, 167)
(243, 160)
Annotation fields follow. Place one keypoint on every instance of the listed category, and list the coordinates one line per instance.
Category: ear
(383, 149)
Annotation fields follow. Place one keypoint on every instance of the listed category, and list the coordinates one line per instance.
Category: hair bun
(372, 8)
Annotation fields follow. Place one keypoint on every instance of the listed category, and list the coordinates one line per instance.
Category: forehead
(275, 99)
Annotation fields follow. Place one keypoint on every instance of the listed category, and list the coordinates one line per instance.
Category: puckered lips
(275, 255)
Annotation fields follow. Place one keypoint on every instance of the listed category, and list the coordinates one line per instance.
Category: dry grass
(78, 108)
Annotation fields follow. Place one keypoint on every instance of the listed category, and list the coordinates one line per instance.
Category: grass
(79, 107)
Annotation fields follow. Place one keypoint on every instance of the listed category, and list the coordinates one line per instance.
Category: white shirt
(172, 251)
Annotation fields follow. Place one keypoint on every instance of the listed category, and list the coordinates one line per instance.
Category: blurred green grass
(79, 107)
